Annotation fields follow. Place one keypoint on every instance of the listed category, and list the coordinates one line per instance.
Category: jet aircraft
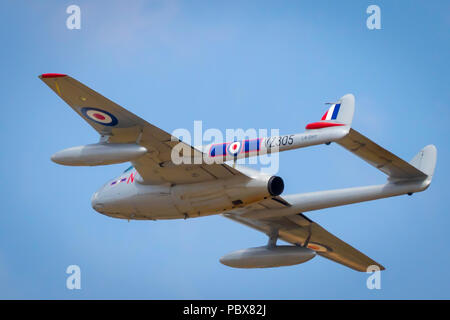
(169, 179)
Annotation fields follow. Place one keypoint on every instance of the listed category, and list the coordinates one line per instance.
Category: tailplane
(420, 167)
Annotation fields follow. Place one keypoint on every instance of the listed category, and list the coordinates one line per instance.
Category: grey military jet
(169, 179)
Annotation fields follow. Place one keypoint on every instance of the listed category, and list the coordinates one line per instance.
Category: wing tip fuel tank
(267, 257)
(98, 154)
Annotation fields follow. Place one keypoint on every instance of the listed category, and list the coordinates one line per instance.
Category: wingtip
(52, 75)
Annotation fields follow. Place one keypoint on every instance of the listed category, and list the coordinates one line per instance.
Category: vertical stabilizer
(425, 160)
(340, 113)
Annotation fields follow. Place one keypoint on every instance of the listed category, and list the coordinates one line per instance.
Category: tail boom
(333, 198)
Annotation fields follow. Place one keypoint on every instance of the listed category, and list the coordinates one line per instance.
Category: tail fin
(425, 160)
(340, 113)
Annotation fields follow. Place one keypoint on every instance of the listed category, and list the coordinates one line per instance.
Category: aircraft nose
(96, 204)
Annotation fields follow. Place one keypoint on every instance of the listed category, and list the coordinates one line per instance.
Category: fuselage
(126, 198)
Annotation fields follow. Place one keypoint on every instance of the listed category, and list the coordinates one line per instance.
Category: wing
(298, 229)
(121, 126)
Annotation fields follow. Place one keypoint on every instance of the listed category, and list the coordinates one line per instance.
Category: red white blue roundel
(100, 116)
(317, 247)
(234, 148)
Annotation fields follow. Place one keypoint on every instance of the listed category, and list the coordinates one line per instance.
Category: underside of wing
(118, 125)
(301, 231)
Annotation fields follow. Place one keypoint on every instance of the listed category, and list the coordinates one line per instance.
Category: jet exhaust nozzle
(275, 186)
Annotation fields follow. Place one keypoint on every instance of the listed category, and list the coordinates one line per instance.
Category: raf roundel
(234, 148)
(317, 247)
(100, 116)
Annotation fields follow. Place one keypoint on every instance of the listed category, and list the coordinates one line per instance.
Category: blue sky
(231, 64)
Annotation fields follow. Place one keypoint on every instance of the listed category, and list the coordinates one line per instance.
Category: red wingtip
(320, 125)
(53, 75)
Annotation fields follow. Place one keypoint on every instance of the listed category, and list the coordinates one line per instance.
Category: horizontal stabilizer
(396, 168)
